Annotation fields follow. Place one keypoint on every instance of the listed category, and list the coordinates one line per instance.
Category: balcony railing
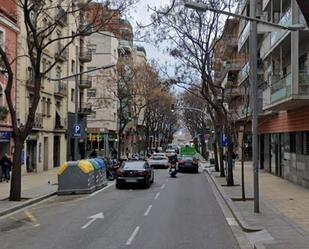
(38, 121)
(244, 73)
(61, 54)
(244, 36)
(286, 20)
(61, 16)
(85, 108)
(126, 44)
(85, 56)
(85, 82)
(265, 3)
(303, 87)
(60, 89)
(281, 89)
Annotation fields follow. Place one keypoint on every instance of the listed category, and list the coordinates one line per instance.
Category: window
(72, 95)
(306, 143)
(48, 64)
(91, 93)
(58, 72)
(48, 107)
(44, 65)
(299, 143)
(1, 96)
(73, 66)
(44, 106)
(293, 142)
(2, 39)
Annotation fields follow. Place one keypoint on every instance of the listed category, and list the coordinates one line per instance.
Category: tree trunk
(195, 141)
(204, 148)
(230, 178)
(15, 191)
(215, 149)
(222, 171)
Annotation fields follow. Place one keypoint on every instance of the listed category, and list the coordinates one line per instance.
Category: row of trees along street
(192, 37)
(139, 87)
(41, 36)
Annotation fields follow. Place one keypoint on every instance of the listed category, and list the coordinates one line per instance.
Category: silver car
(158, 160)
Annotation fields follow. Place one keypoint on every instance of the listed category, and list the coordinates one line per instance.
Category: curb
(26, 204)
(240, 220)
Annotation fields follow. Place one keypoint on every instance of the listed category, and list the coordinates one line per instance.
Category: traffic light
(173, 108)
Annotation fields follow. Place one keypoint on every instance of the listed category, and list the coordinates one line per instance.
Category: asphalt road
(175, 213)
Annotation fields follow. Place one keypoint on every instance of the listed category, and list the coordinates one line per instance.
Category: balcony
(244, 36)
(126, 45)
(265, 4)
(60, 123)
(281, 95)
(61, 16)
(234, 92)
(272, 39)
(85, 108)
(244, 73)
(60, 89)
(38, 121)
(85, 82)
(61, 54)
(85, 56)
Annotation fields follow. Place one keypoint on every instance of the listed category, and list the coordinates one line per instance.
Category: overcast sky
(141, 15)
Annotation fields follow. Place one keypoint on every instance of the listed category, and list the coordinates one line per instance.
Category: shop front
(6, 143)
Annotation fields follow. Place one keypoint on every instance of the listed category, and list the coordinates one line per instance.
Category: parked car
(188, 163)
(137, 172)
(170, 152)
(158, 160)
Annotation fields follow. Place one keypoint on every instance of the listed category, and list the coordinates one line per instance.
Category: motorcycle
(173, 170)
(111, 170)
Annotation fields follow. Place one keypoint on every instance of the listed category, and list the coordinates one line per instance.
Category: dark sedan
(137, 172)
(188, 163)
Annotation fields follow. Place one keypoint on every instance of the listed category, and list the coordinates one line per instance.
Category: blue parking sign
(77, 130)
(223, 140)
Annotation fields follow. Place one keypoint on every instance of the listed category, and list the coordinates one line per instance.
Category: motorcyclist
(173, 160)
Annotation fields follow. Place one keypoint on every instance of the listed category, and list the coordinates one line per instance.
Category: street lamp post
(253, 75)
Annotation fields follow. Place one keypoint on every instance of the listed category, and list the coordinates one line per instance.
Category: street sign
(223, 140)
(77, 130)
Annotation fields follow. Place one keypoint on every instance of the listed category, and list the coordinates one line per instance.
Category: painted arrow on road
(93, 218)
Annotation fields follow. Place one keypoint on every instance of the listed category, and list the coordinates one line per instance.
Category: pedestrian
(6, 165)
(114, 153)
(93, 154)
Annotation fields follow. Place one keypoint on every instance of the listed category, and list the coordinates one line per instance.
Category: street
(175, 213)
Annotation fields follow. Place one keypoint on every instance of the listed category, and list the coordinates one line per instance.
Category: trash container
(76, 177)
(100, 172)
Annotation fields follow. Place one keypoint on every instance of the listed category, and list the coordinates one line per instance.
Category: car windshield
(187, 158)
(133, 165)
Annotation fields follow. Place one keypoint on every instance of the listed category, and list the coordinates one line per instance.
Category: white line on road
(92, 219)
(99, 191)
(130, 240)
(148, 210)
(163, 186)
(157, 195)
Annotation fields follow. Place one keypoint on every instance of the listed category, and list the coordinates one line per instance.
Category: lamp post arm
(204, 7)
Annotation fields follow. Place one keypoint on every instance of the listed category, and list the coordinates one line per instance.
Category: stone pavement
(283, 210)
(34, 185)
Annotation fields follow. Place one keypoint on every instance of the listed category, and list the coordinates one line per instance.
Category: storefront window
(306, 142)
(293, 142)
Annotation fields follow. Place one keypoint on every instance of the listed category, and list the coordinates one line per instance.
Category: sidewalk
(34, 185)
(283, 213)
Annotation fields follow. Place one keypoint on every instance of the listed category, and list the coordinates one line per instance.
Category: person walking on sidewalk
(6, 165)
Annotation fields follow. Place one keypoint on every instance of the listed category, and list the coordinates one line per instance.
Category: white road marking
(157, 195)
(163, 186)
(93, 218)
(130, 240)
(231, 221)
(34, 221)
(99, 191)
(148, 210)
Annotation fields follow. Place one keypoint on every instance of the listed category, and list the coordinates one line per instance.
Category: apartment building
(8, 41)
(283, 88)
(102, 123)
(49, 144)
(231, 73)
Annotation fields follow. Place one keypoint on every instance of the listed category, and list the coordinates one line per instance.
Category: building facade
(283, 88)
(8, 42)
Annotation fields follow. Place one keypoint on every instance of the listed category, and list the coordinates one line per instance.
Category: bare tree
(192, 36)
(40, 21)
